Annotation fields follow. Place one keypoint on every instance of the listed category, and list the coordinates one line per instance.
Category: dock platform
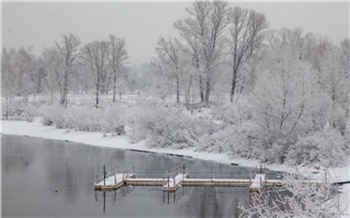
(171, 181)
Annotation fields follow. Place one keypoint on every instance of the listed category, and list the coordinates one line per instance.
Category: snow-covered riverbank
(36, 129)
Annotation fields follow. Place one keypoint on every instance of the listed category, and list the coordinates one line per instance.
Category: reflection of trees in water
(71, 168)
(210, 202)
(201, 202)
(14, 156)
(62, 170)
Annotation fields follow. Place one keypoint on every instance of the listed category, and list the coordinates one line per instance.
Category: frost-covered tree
(162, 84)
(282, 96)
(70, 52)
(169, 59)
(326, 147)
(193, 50)
(8, 80)
(206, 22)
(333, 77)
(246, 34)
(54, 66)
(96, 58)
(117, 57)
(345, 55)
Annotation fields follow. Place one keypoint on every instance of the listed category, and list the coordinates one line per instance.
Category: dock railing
(112, 172)
(172, 173)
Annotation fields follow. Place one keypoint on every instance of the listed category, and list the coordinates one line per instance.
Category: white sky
(41, 24)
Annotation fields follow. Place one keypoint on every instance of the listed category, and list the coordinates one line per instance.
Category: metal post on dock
(104, 175)
(212, 178)
(134, 169)
(168, 177)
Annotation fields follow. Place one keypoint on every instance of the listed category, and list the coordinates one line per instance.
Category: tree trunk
(188, 95)
(177, 90)
(62, 101)
(234, 79)
(65, 90)
(7, 107)
(97, 95)
(201, 89)
(97, 89)
(51, 97)
(114, 84)
(207, 90)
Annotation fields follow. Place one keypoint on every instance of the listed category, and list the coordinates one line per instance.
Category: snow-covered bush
(53, 115)
(20, 110)
(45, 114)
(326, 147)
(168, 127)
(109, 119)
(275, 153)
(29, 113)
(113, 120)
(238, 140)
(232, 113)
(83, 119)
(297, 200)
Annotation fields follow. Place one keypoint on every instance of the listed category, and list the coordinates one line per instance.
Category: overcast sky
(41, 24)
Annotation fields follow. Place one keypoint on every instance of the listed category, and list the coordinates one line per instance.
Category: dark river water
(47, 178)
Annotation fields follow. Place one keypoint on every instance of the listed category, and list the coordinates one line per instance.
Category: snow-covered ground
(36, 129)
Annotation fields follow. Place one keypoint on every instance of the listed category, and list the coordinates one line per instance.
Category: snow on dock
(115, 181)
(171, 184)
(172, 181)
(258, 182)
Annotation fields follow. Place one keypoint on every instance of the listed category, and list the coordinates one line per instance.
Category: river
(48, 178)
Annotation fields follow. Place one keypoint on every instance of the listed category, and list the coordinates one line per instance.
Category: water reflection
(18, 158)
(53, 178)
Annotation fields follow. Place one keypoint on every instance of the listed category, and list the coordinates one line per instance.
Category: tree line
(68, 65)
(212, 35)
(219, 50)
(214, 38)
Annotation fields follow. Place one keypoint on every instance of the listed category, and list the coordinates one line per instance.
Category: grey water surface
(48, 178)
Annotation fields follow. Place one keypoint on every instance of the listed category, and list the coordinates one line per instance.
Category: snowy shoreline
(36, 129)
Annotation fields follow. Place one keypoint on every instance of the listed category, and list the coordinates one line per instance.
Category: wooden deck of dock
(171, 181)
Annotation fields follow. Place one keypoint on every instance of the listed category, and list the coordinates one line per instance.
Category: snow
(178, 178)
(256, 181)
(144, 179)
(36, 129)
(217, 180)
(110, 180)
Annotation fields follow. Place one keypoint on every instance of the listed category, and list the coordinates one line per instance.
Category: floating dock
(172, 181)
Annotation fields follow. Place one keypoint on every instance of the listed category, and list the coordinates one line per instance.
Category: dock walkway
(171, 181)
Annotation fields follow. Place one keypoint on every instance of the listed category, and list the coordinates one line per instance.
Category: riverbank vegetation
(225, 83)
